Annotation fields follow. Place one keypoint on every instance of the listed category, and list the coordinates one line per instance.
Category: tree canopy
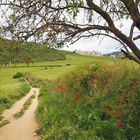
(58, 21)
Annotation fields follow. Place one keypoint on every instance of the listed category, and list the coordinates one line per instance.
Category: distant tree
(59, 21)
(26, 53)
(4, 59)
(9, 50)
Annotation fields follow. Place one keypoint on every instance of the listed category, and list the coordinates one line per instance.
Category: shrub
(18, 75)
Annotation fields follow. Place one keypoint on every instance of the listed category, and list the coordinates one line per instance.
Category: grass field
(45, 70)
(9, 87)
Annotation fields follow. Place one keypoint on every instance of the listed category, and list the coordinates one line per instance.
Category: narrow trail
(22, 128)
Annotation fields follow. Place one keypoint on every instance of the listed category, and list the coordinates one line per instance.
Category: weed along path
(22, 128)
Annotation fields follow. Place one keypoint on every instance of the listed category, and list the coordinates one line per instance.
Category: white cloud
(105, 46)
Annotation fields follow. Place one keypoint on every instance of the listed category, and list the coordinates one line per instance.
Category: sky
(107, 45)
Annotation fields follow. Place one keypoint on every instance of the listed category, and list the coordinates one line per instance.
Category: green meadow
(49, 70)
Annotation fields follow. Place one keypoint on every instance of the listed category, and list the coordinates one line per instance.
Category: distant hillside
(21, 52)
(116, 54)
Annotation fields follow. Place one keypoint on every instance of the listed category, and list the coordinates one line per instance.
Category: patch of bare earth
(24, 127)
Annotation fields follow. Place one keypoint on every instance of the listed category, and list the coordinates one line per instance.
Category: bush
(18, 75)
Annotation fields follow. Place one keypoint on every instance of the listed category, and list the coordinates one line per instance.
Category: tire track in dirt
(24, 127)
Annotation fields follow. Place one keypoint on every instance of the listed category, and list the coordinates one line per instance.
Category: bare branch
(137, 37)
(131, 31)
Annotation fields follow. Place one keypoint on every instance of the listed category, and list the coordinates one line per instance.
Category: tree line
(12, 52)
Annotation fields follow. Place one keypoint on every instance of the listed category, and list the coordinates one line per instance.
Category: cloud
(107, 45)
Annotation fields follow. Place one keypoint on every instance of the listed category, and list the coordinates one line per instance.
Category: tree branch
(130, 56)
(133, 11)
(137, 37)
(131, 30)
(104, 14)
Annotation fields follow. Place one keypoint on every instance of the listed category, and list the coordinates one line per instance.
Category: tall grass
(96, 102)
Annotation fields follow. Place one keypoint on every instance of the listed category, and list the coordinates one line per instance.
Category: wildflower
(106, 109)
(133, 82)
(132, 88)
(129, 93)
(91, 81)
(60, 88)
(94, 78)
(117, 111)
(122, 99)
(120, 124)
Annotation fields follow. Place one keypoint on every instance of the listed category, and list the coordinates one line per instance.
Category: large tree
(60, 21)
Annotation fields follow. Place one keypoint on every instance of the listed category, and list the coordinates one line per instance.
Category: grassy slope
(13, 52)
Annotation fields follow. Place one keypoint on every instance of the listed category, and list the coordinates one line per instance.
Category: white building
(90, 53)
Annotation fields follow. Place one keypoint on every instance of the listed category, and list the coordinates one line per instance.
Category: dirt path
(24, 127)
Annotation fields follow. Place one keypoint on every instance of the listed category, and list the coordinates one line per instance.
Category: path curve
(24, 127)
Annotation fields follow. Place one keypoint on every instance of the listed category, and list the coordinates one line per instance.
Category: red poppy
(93, 78)
(120, 124)
(117, 111)
(114, 111)
(106, 109)
(132, 88)
(129, 93)
(133, 82)
(123, 99)
(60, 88)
